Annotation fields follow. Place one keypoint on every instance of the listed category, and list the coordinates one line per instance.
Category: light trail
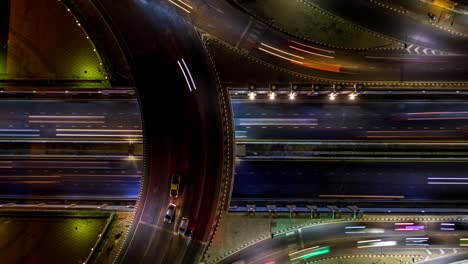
(318, 67)
(96, 135)
(315, 48)
(447, 183)
(67, 121)
(441, 178)
(179, 6)
(361, 196)
(438, 118)
(409, 131)
(98, 130)
(434, 113)
(282, 51)
(185, 75)
(190, 75)
(279, 56)
(303, 250)
(187, 5)
(19, 135)
(65, 117)
(311, 53)
(277, 121)
(18, 130)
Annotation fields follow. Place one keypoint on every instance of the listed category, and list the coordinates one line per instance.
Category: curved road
(276, 250)
(240, 30)
(182, 127)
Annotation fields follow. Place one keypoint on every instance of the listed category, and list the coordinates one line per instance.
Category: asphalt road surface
(70, 119)
(182, 128)
(239, 30)
(396, 25)
(392, 180)
(281, 248)
(344, 120)
(73, 149)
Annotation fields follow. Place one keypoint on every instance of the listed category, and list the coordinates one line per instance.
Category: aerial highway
(186, 119)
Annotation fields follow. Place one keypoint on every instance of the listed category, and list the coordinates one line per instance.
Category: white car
(170, 213)
(183, 225)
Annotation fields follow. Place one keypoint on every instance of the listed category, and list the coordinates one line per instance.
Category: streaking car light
(447, 229)
(309, 253)
(185, 76)
(375, 230)
(447, 224)
(463, 242)
(180, 6)
(355, 230)
(190, 75)
(410, 228)
(416, 241)
(375, 243)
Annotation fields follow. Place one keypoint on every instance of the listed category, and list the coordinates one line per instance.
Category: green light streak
(317, 252)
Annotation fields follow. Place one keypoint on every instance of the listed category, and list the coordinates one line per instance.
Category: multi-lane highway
(72, 149)
(392, 176)
(344, 120)
(388, 237)
(402, 180)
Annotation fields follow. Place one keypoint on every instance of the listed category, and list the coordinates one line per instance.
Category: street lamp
(272, 95)
(252, 92)
(252, 95)
(292, 95)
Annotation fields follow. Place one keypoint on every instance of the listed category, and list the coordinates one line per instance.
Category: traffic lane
(70, 178)
(71, 148)
(325, 119)
(56, 188)
(318, 234)
(251, 33)
(281, 132)
(75, 179)
(165, 37)
(354, 179)
(47, 118)
(387, 22)
(356, 66)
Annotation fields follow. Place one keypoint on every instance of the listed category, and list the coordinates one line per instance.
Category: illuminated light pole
(272, 94)
(252, 92)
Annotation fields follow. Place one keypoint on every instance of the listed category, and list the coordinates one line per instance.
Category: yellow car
(175, 182)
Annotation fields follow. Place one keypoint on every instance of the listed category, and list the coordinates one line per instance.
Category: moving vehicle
(183, 225)
(175, 182)
(170, 213)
